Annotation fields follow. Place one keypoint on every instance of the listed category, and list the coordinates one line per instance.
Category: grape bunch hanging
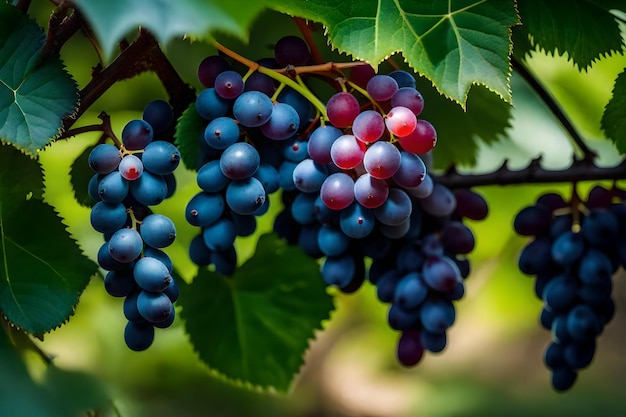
(576, 248)
(131, 177)
(353, 184)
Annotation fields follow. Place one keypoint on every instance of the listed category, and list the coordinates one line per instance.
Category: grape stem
(104, 127)
(579, 170)
(554, 107)
(283, 79)
(144, 54)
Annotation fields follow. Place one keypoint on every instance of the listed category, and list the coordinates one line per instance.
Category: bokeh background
(493, 363)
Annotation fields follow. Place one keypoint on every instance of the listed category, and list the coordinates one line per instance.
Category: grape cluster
(354, 187)
(423, 273)
(127, 182)
(574, 252)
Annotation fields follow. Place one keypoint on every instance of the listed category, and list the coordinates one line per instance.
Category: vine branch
(580, 170)
(554, 107)
(144, 54)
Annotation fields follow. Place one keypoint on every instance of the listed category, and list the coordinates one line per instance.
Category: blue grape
(221, 132)
(172, 291)
(560, 293)
(204, 209)
(283, 123)
(411, 171)
(320, 142)
(107, 218)
(155, 307)
(159, 114)
(410, 291)
(433, 342)
(104, 158)
(357, 221)
(308, 176)
(125, 245)
(301, 104)
(437, 315)
(138, 336)
(130, 308)
(294, 149)
(210, 105)
(198, 251)
(567, 248)
(285, 175)
(403, 78)
(220, 235)
(600, 228)
(151, 274)
(399, 318)
(332, 241)
(532, 221)
(245, 196)
(303, 208)
(210, 177)
(149, 189)
(245, 224)
(536, 256)
(160, 157)
(106, 261)
(158, 231)
(239, 161)
(113, 188)
(225, 261)
(252, 108)
(595, 267)
(396, 209)
(159, 255)
(137, 134)
(582, 323)
(338, 270)
(119, 283)
(269, 177)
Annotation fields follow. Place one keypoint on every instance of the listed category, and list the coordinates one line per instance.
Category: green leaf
(584, 29)
(80, 174)
(62, 393)
(112, 20)
(614, 117)
(255, 326)
(34, 95)
(454, 44)
(189, 133)
(486, 119)
(42, 271)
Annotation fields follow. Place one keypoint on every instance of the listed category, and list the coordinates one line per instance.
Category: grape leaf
(613, 121)
(454, 44)
(486, 119)
(189, 133)
(42, 271)
(80, 174)
(584, 29)
(34, 94)
(255, 326)
(113, 19)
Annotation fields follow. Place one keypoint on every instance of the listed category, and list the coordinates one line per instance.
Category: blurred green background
(493, 363)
